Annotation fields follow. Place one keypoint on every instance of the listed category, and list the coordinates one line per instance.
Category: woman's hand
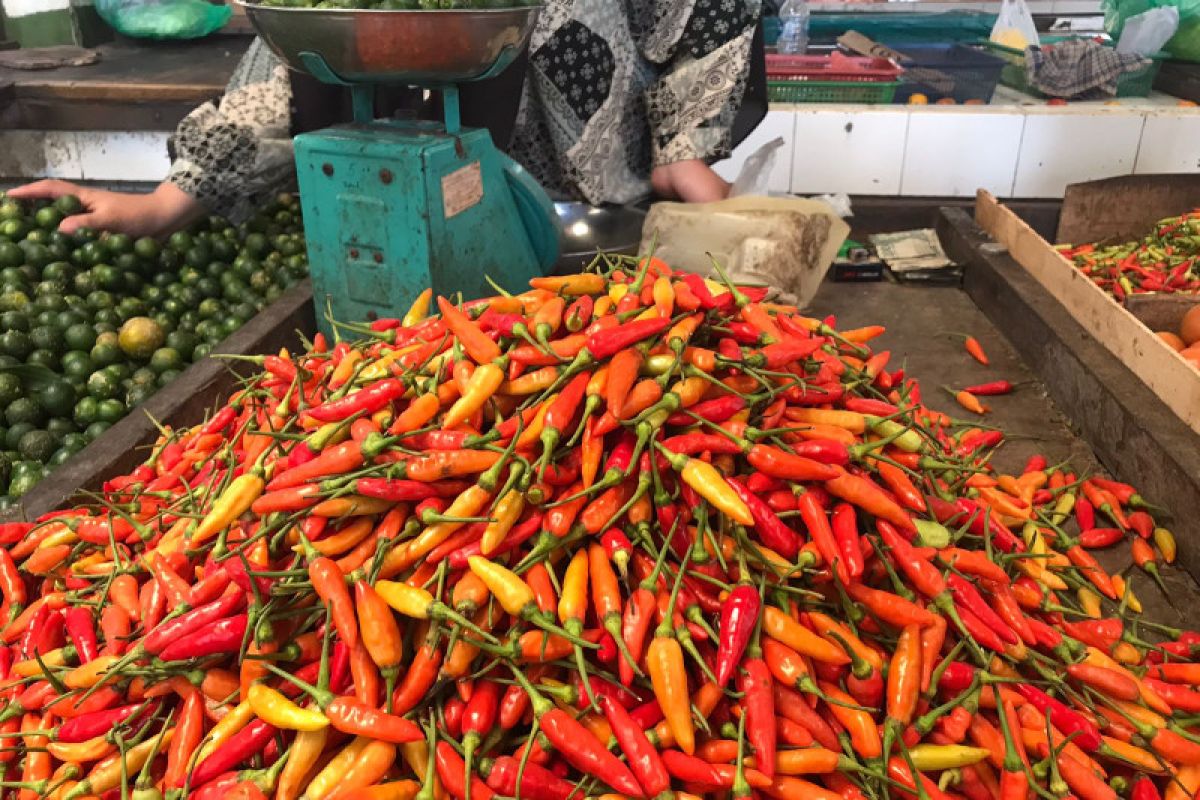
(159, 213)
(691, 181)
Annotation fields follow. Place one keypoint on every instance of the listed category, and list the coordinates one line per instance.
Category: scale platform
(393, 206)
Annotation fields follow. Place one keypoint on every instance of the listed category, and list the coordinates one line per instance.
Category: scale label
(462, 189)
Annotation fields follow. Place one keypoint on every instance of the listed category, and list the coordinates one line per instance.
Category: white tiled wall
(1060, 149)
(1169, 144)
(84, 155)
(953, 154)
(779, 124)
(1022, 151)
(857, 153)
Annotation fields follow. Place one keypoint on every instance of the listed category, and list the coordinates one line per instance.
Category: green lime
(167, 376)
(45, 358)
(95, 430)
(16, 343)
(80, 336)
(118, 243)
(10, 389)
(209, 309)
(184, 342)
(152, 294)
(25, 481)
(65, 319)
(165, 358)
(13, 228)
(51, 301)
(37, 255)
(60, 456)
(84, 283)
(14, 300)
(87, 411)
(48, 338)
(74, 441)
(14, 321)
(131, 307)
(139, 394)
(68, 204)
(146, 248)
(107, 277)
(11, 209)
(13, 437)
(11, 255)
(140, 337)
(77, 365)
(37, 445)
(24, 409)
(103, 385)
(180, 240)
(112, 410)
(143, 376)
(92, 253)
(58, 398)
(60, 427)
(109, 317)
(48, 218)
(100, 299)
(120, 371)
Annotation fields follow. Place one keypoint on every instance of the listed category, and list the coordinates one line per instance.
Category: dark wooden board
(143, 86)
(1123, 208)
(1180, 79)
(1134, 434)
(185, 401)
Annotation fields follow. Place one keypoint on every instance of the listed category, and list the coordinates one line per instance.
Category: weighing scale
(394, 206)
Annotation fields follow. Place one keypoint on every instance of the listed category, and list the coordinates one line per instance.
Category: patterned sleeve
(230, 155)
(703, 47)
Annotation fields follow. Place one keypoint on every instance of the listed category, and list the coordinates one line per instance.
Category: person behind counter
(617, 101)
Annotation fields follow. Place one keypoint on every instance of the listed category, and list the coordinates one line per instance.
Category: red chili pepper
(644, 761)
(223, 636)
(967, 596)
(771, 530)
(739, 617)
(1087, 736)
(758, 701)
(366, 401)
(990, 389)
(604, 343)
(82, 630)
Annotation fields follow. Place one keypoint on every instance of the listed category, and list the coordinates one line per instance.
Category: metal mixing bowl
(418, 48)
(587, 229)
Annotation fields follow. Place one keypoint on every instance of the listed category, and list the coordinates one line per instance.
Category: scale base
(392, 208)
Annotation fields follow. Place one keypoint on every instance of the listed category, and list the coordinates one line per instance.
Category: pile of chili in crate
(1163, 261)
(627, 534)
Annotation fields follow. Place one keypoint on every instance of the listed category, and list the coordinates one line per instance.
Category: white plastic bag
(1014, 26)
(1146, 33)
(755, 177)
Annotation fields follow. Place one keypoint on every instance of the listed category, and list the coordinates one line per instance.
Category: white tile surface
(953, 153)
(1060, 149)
(127, 156)
(1170, 143)
(844, 149)
(776, 124)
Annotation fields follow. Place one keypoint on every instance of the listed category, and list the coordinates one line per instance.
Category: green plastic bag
(164, 19)
(1185, 44)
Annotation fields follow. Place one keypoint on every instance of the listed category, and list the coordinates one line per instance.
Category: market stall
(451, 525)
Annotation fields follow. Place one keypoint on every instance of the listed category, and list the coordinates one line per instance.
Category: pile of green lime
(111, 319)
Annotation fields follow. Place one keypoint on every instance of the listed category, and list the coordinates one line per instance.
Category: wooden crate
(1131, 342)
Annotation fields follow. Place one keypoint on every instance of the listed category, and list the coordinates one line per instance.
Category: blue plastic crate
(973, 73)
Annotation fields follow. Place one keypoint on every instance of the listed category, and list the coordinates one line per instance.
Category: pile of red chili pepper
(627, 534)
(1163, 261)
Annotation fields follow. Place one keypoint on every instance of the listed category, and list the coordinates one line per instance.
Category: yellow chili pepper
(306, 750)
(344, 370)
(381, 367)
(664, 296)
(30, 667)
(108, 773)
(1164, 540)
(480, 387)
(504, 515)
(88, 675)
(238, 718)
(1089, 601)
(272, 707)
(513, 594)
(233, 502)
(616, 291)
(668, 676)
(65, 536)
(572, 601)
(410, 601)
(936, 757)
(539, 380)
(1063, 507)
(1123, 591)
(709, 484)
(534, 432)
(81, 752)
(571, 285)
(327, 779)
(419, 308)
(468, 504)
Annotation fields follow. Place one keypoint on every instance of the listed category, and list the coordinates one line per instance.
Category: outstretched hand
(158, 213)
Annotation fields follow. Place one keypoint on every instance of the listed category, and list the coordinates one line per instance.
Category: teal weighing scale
(394, 206)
